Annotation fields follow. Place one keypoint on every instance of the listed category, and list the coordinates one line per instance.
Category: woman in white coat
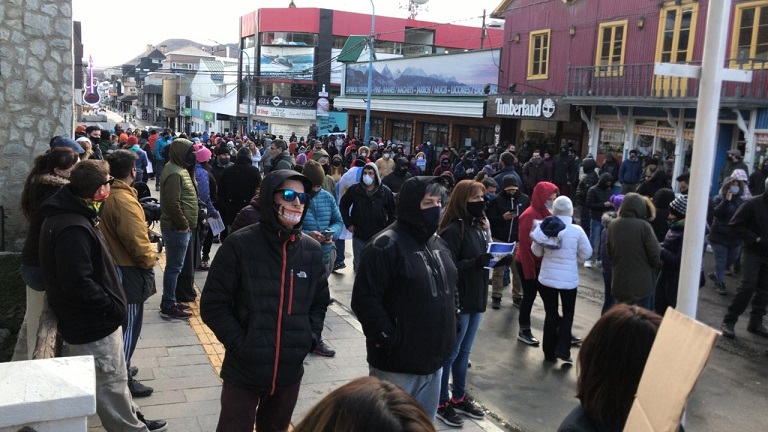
(561, 244)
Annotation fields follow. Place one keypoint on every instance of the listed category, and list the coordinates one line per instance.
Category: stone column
(36, 95)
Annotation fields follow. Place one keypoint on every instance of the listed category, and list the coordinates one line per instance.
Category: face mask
(490, 196)
(368, 180)
(190, 159)
(364, 154)
(445, 163)
(476, 208)
(223, 161)
(431, 218)
(336, 163)
(549, 206)
(387, 155)
(735, 189)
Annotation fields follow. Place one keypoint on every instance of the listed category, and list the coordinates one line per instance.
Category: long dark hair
(611, 362)
(58, 157)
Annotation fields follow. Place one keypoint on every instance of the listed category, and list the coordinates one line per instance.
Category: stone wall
(36, 95)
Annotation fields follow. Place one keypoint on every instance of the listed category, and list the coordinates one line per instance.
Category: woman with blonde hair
(367, 404)
(465, 229)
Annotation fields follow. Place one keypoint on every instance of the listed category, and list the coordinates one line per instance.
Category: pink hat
(203, 155)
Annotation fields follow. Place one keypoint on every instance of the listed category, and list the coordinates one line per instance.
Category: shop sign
(208, 116)
(761, 138)
(666, 133)
(277, 101)
(645, 130)
(525, 108)
(611, 124)
(288, 113)
(688, 135)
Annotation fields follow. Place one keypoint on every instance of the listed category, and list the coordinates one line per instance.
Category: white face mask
(368, 180)
(364, 154)
(549, 206)
(387, 155)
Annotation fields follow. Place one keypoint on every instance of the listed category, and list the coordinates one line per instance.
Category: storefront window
(402, 132)
(475, 136)
(645, 135)
(377, 128)
(761, 150)
(288, 38)
(666, 147)
(611, 140)
(687, 147)
(540, 134)
(435, 133)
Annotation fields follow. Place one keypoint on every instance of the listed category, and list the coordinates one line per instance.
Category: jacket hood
(444, 158)
(269, 185)
(663, 197)
(178, 151)
(541, 193)
(588, 165)
(633, 206)
(659, 177)
(64, 201)
(400, 162)
(376, 180)
(605, 178)
(607, 218)
(551, 226)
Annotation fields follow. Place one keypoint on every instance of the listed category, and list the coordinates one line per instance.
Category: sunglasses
(109, 181)
(290, 195)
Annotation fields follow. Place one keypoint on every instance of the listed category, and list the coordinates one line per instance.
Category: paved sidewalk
(181, 361)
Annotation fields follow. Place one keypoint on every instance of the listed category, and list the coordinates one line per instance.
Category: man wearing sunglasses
(85, 293)
(265, 299)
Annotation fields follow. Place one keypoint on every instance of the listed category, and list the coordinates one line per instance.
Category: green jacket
(178, 194)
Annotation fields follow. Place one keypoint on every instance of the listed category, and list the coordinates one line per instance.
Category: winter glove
(482, 260)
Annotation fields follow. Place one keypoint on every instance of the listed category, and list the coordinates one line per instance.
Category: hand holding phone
(327, 234)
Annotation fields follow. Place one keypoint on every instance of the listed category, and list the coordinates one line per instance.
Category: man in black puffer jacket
(403, 295)
(599, 202)
(265, 298)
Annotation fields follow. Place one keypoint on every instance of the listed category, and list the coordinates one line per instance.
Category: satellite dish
(419, 2)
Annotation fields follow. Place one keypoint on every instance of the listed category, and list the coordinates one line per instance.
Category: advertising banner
(287, 62)
(334, 122)
(464, 74)
(288, 113)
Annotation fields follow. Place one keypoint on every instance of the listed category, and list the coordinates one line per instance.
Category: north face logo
(301, 274)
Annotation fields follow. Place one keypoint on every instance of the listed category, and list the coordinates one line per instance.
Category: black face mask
(476, 208)
(336, 163)
(431, 218)
(190, 159)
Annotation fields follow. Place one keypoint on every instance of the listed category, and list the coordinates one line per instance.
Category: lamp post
(247, 85)
(370, 78)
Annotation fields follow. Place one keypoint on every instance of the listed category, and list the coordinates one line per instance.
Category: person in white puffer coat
(561, 244)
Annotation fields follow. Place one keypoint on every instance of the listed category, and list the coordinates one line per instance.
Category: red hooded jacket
(536, 211)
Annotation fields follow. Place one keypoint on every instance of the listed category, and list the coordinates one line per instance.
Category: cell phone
(327, 234)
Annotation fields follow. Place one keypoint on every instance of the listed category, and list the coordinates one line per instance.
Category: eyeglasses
(290, 195)
(109, 181)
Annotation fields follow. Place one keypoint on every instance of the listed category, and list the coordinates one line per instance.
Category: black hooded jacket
(266, 296)
(403, 292)
(654, 184)
(501, 229)
(394, 180)
(598, 195)
(237, 186)
(370, 212)
(80, 276)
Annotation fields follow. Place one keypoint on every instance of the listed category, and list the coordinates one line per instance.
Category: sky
(113, 38)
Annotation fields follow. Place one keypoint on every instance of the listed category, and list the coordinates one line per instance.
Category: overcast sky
(113, 38)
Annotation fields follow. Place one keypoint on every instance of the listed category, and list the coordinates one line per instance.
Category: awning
(127, 98)
(352, 49)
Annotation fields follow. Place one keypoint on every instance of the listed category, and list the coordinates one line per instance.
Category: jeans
(595, 229)
(357, 247)
(159, 164)
(456, 364)
(340, 247)
(242, 407)
(608, 301)
(139, 176)
(725, 256)
(557, 329)
(530, 286)
(754, 286)
(176, 244)
(424, 388)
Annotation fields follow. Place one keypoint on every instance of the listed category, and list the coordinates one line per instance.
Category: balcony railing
(636, 83)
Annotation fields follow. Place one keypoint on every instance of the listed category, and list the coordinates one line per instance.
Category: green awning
(352, 49)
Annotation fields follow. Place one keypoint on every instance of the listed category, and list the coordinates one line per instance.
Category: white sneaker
(588, 264)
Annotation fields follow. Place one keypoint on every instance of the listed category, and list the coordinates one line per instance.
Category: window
(749, 44)
(538, 55)
(677, 25)
(610, 48)
(289, 38)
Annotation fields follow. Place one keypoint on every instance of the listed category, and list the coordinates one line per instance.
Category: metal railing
(638, 81)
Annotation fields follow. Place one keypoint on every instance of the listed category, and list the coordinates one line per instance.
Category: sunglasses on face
(109, 181)
(290, 195)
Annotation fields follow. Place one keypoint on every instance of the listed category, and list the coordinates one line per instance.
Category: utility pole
(482, 32)
(370, 78)
(248, 95)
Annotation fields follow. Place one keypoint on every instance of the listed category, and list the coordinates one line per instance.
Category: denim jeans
(557, 329)
(754, 287)
(424, 388)
(456, 364)
(725, 256)
(159, 164)
(340, 247)
(595, 228)
(357, 247)
(176, 244)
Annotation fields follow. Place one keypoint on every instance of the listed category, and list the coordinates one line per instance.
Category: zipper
(279, 318)
(433, 268)
(290, 295)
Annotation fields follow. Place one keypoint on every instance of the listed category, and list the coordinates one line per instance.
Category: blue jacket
(323, 214)
(630, 172)
(160, 144)
(204, 188)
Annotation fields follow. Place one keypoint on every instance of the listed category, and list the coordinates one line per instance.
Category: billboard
(464, 74)
(334, 122)
(287, 62)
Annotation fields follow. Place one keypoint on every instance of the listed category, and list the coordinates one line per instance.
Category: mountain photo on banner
(287, 62)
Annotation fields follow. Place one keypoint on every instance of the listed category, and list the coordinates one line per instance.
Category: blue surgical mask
(735, 189)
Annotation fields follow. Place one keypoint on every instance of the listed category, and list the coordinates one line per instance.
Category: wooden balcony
(636, 85)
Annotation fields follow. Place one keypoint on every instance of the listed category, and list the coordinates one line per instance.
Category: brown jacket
(124, 228)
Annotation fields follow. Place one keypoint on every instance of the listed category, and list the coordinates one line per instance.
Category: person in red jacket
(528, 265)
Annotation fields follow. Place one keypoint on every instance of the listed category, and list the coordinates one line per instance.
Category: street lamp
(247, 84)
(370, 78)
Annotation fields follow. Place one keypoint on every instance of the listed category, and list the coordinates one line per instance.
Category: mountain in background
(176, 44)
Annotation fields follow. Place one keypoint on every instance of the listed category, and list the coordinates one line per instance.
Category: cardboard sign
(679, 354)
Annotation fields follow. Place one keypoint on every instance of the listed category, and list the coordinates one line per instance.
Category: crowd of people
(420, 224)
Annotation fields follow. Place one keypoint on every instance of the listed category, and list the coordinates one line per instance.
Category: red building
(597, 60)
(292, 53)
